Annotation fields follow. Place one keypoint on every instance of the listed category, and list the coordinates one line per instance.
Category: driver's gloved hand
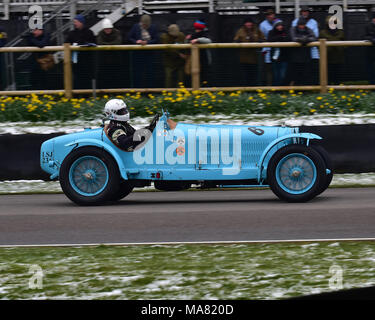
(153, 123)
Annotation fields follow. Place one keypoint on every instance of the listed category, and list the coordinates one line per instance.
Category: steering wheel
(153, 123)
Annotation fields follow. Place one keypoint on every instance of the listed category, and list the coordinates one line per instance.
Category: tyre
(329, 165)
(89, 176)
(171, 185)
(296, 173)
(124, 189)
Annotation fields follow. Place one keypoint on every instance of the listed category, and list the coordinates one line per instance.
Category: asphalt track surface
(189, 216)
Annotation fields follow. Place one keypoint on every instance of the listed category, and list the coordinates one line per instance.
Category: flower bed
(45, 107)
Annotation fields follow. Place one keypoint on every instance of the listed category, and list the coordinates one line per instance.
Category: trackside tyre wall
(89, 176)
(296, 173)
(350, 146)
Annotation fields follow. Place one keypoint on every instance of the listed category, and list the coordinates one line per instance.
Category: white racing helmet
(116, 109)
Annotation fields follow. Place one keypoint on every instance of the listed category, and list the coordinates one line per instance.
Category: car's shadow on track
(213, 201)
(126, 202)
(272, 200)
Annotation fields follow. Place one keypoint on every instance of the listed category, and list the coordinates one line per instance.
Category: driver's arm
(126, 142)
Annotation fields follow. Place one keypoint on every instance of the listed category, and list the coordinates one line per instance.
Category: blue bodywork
(189, 152)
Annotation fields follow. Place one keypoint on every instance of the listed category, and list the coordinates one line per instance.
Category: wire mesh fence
(122, 67)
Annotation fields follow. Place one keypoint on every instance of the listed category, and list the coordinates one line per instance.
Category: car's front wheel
(296, 173)
(89, 176)
(329, 166)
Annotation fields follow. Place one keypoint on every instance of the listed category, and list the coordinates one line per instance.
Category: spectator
(83, 62)
(200, 35)
(248, 56)
(301, 69)
(143, 33)
(80, 35)
(109, 35)
(109, 61)
(174, 60)
(265, 27)
(38, 38)
(41, 61)
(336, 55)
(370, 56)
(279, 56)
(313, 25)
(3, 40)
(3, 37)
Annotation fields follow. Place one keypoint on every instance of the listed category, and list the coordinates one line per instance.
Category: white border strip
(185, 243)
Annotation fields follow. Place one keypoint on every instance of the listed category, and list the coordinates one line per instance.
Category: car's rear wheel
(296, 173)
(89, 176)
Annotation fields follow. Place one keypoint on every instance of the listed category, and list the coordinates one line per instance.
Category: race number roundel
(180, 151)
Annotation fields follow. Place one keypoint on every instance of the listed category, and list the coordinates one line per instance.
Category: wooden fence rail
(68, 90)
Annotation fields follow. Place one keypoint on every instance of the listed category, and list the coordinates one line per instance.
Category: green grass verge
(48, 108)
(237, 271)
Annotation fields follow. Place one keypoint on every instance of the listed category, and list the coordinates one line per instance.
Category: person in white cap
(109, 35)
(109, 61)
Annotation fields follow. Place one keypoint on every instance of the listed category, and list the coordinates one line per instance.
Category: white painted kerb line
(124, 244)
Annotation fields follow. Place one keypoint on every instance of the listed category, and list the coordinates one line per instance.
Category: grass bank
(238, 271)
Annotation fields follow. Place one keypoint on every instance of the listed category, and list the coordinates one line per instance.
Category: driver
(119, 130)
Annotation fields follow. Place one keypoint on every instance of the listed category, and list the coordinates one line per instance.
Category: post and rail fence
(68, 90)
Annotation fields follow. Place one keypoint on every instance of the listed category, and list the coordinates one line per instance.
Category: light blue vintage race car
(92, 169)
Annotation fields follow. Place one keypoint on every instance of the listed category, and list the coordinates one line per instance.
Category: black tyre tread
(307, 151)
(329, 165)
(113, 171)
(124, 190)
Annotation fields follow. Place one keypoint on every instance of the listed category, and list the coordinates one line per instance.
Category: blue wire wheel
(88, 176)
(296, 173)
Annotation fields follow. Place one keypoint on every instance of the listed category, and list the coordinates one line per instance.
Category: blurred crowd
(280, 66)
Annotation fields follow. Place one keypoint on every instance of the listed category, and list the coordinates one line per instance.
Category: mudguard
(97, 143)
(307, 136)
